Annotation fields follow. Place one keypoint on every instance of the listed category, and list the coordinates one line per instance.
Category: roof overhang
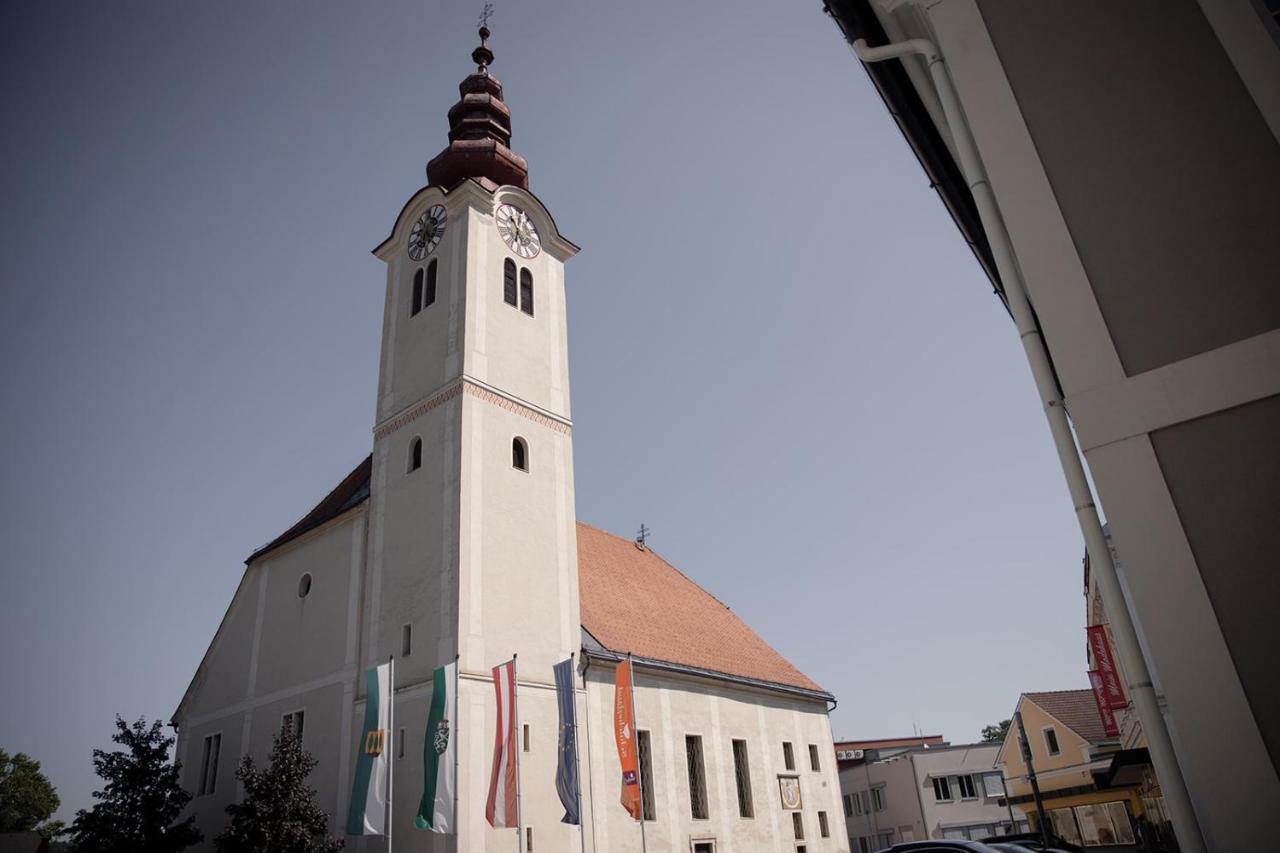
(857, 19)
(599, 653)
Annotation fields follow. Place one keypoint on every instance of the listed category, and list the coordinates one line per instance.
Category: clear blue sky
(784, 359)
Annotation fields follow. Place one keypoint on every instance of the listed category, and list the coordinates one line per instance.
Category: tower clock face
(517, 231)
(427, 232)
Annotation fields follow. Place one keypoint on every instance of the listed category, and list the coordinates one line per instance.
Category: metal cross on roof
(486, 14)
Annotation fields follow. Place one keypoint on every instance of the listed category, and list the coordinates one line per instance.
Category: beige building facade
(458, 537)
(1133, 152)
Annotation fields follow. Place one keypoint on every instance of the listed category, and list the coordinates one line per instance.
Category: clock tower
(471, 536)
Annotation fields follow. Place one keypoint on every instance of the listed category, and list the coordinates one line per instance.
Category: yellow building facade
(1068, 747)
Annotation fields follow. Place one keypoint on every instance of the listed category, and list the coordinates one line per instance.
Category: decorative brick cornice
(417, 410)
(511, 405)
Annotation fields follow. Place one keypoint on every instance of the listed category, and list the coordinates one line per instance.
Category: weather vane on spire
(485, 15)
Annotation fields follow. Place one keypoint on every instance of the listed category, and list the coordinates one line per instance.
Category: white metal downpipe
(1141, 691)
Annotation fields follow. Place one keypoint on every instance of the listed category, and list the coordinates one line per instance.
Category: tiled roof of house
(1075, 709)
(632, 600)
(635, 601)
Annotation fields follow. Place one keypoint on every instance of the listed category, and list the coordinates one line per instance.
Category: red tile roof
(632, 601)
(1075, 709)
(635, 601)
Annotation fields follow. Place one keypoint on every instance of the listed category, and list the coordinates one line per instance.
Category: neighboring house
(1132, 150)
(458, 539)
(1068, 748)
(923, 792)
(1131, 765)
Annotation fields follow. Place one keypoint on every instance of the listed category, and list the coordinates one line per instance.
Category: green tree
(27, 797)
(996, 733)
(278, 813)
(137, 810)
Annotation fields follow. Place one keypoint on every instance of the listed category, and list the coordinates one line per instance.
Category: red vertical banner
(1108, 718)
(501, 809)
(624, 735)
(1105, 665)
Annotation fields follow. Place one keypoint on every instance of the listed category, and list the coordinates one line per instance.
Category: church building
(457, 537)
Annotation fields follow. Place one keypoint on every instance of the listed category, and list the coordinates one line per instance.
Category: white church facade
(458, 536)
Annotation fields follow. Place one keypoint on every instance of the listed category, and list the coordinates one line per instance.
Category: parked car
(1034, 841)
(1022, 847)
(941, 845)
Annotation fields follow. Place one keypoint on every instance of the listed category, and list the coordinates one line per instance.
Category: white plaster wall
(413, 546)
(210, 809)
(303, 639)
(419, 353)
(280, 653)
(518, 564)
(525, 356)
(671, 708)
(223, 677)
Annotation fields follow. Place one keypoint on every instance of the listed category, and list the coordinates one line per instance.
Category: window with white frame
(848, 805)
(294, 720)
(967, 789)
(860, 802)
(994, 785)
(209, 763)
(877, 798)
(1051, 741)
(941, 789)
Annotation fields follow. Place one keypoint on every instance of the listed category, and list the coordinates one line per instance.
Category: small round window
(304, 584)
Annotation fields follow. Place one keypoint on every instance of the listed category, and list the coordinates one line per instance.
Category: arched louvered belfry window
(430, 295)
(509, 281)
(415, 455)
(519, 454)
(417, 293)
(526, 291)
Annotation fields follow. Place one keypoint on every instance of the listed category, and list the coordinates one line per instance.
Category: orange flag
(624, 735)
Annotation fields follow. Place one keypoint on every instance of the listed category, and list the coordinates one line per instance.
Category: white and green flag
(368, 815)
(439, 769)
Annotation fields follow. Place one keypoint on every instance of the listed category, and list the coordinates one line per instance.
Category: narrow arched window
(509, 281)
(519, 454)
(417, 293)
(430, 296)
(526, 291)
(415, 455)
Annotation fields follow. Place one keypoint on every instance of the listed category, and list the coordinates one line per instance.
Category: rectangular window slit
(697, 777)
(742, 774)
(644, 757)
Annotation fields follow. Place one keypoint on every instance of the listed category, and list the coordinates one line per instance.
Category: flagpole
(390, 750)
(455, 734)
(515, 713)
(631, 676)
(577, 757)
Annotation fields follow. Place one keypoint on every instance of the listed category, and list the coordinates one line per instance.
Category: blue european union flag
(567, 763)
